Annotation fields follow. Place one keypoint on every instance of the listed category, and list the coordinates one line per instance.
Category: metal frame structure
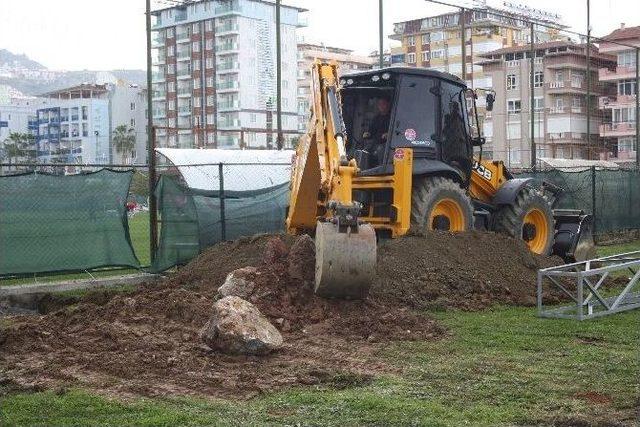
(583, 283)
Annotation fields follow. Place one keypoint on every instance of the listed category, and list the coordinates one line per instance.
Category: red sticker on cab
(410, 134)
(398, 154)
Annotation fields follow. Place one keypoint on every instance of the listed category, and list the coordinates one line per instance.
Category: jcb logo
(482, 171)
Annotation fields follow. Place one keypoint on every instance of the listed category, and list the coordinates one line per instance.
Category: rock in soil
(301, 259)
(239, 283)
(238, 327)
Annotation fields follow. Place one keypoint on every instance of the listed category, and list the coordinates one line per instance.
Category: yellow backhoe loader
(388, 151)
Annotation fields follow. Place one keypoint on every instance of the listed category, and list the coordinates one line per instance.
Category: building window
(559, 76)
(196, 83)
(514, 106)
(576, 102)
(195, 46)
(196, 28)
(196, 64)
(512, 82)
(210, 81)
(559, 104)
(411, 58)
(538, 79)
(627, 59)
(437, 54)
(171, 33)
(171, 51)
(133, 123)
(196, 102)
(171, 69)
(425, 38)
(627, 87)
(132, 106)
(209, 63)
(285, 84)
(411, 41)
(437, 36)
(208, 44)
(253, 117)
(626, 144)
(210, 101)
(538, 104)
(426, 55)
(208, 25)
(171, 87)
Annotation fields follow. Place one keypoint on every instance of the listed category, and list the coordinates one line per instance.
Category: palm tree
(19, 145)
(124, 141)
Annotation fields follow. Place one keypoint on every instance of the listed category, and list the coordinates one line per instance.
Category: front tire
(529, 218)
(439, 203)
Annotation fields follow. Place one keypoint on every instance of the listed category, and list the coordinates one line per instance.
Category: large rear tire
(529, 218)
(439, 203)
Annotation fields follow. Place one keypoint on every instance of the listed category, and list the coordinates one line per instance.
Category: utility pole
(381, 32)
(151, 139)
(463, 29)
(279, 142)
(588, 73)
(531, 101)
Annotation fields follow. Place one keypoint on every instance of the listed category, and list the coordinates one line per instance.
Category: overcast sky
(110, 34)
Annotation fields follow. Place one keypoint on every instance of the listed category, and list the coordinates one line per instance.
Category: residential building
(435, 42)
(77, 124)
(214, 79)
(18, 115)
(619, 128)
(307, 53)
(559, 103)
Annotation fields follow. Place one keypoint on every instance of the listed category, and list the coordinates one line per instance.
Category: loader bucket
(573, 235)
(345, 262)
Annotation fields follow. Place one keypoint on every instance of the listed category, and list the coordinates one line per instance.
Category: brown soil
(146, 342)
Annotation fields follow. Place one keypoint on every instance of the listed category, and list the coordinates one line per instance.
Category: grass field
(502, 366)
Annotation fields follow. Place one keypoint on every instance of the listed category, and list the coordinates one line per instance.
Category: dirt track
(146, 342)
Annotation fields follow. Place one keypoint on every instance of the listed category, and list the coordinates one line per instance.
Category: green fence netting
(191, 220)
(51, 223)
(616, 194)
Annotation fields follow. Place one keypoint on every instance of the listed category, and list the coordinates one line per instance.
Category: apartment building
(214, 79)
(307, 53)
(18, 115)
(560, 102)
(619, 109)
(435, 42)
(77, 124)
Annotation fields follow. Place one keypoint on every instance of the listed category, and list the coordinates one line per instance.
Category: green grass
(618, 249)
(498, 367)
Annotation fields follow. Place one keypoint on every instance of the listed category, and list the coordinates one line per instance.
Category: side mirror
(491, 98)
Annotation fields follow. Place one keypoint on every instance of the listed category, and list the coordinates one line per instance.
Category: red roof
(624, 33)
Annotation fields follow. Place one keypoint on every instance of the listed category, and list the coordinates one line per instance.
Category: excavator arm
(321, 196)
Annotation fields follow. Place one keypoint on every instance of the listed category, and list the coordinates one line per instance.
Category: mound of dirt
(146, 342)
(467, 271)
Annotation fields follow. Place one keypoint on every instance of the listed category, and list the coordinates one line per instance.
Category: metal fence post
(593, 197)
(221, 196)
(637, 107)
(531, 101)
(153, 203)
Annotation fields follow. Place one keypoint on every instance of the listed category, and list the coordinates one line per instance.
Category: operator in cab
(377, 134)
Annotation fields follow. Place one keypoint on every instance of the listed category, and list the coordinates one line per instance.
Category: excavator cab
(427, 114)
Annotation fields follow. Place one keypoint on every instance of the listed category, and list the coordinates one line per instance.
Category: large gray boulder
(239, 283)
(238, 327)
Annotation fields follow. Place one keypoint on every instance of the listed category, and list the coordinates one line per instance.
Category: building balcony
(227, 48)
(222, 30)
(618, 129)
(228, 86)
(231, 8)
(184, 74)
(226, 124)
(567, 110)
(229, 105)
(159, 114)
(619, 101)
(183, 55)
(184, 92)
(158, 77)
(182, 36)
(159, 95)
(619, 73)
(184, 111)
(228, 67)
(572, 86)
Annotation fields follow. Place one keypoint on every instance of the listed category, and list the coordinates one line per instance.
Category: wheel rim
(534, 230)
(447, 215)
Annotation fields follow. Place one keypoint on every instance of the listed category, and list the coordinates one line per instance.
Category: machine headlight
(343, 82)
(375, 78)
(350, 81)
(386, 76)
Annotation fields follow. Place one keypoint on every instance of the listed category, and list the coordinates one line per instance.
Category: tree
(19, 145)
(124, 141)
